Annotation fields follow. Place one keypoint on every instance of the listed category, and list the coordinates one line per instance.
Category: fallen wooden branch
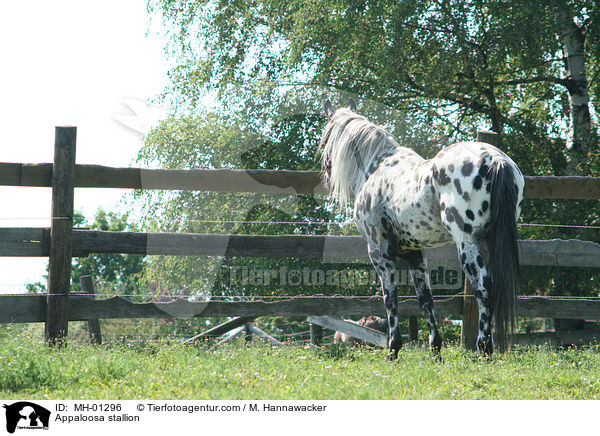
(371, 336)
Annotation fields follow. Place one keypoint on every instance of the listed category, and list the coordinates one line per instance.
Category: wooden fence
(258, 181)
(60, 242)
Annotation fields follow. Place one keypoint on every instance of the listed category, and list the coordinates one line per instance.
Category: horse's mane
(350, 145)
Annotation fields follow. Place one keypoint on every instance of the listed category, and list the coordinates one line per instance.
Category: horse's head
(350, 147)
(329, 110)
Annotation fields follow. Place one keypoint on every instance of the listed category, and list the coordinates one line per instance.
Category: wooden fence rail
(35, 242)
(258, 181)
(32, 308)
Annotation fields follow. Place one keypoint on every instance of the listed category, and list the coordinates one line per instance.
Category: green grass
(30, 369)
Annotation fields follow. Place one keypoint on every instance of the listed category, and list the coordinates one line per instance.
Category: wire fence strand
(298, 223)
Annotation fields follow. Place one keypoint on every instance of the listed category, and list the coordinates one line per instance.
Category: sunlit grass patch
(31, 369)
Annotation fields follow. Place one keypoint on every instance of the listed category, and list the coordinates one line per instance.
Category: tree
(438, 70)
(519, 67)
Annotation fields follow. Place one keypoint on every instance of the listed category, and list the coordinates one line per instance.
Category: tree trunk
(579, 133)
(579, 130)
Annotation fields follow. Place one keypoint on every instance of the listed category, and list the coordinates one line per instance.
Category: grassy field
(31, 370)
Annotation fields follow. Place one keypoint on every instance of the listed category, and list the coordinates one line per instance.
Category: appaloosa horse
(469, 193)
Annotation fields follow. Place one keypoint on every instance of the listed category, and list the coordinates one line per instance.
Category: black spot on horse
(386, 224)
(458, 187)
(457, 217)
(467, 228)
(466, 196)
(477, 183)
(393, 163)
(444, 179)
(470, 214)
(480, 261)
(467, 268)
(467, 168)
(484, 172)
(485, 205)
(487, 282)
(473, 268)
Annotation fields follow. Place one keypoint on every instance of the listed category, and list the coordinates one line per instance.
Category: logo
(26, 415)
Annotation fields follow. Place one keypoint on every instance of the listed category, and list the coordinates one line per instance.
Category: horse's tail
(503, 249)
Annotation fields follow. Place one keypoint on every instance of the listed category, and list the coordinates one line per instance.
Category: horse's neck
(397, 159)
(368, 168)
(409, 154)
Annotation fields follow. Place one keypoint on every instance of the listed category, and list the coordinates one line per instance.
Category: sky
(86, 64)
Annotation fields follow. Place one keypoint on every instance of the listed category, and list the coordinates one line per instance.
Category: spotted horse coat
(470, 193)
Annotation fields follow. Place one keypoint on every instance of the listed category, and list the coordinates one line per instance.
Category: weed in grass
(335, 351)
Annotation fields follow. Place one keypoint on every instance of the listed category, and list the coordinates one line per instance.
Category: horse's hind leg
(388, 275)
(471, 259)
(418, 272)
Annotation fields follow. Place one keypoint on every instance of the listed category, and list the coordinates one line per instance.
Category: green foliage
(112, 273)
(457, 64)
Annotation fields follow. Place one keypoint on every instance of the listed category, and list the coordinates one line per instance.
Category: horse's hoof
(485, 346)
(391, 355)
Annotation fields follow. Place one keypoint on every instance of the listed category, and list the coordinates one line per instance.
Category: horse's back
(462, 178)
(428, 203)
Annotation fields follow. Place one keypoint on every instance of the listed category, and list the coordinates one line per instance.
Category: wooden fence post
(470, 325)
(87, 286)
(316, 334)
(413, 328)
(489, 137)
(61, 232)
